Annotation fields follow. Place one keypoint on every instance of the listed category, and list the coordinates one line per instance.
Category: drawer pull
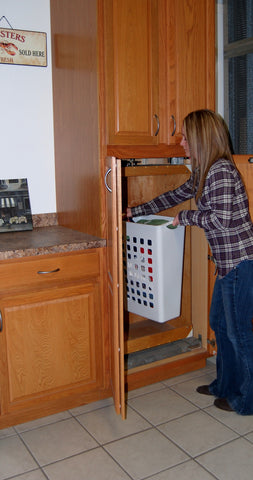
(1, 322)
(41, 272)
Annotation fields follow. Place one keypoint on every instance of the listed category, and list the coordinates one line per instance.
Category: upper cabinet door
(187, 61)
(131, 64)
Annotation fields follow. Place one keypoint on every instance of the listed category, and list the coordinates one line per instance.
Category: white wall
(26, 110)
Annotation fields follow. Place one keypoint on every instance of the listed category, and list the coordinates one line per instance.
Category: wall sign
(20, 47)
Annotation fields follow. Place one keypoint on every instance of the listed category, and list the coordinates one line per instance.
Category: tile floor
(170, 432)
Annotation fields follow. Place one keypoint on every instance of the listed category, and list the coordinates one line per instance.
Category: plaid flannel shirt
(223, 213)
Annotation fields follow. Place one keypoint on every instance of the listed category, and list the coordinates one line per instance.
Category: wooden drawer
(45, 270)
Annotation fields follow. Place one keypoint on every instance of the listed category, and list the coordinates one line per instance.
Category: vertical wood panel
(75, 90)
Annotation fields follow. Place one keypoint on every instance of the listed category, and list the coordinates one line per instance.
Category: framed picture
(15, 209)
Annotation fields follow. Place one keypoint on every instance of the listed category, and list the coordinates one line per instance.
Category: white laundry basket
(153, 263)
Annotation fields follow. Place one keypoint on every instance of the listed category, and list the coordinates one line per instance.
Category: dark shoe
(204, 390)
(223, 404)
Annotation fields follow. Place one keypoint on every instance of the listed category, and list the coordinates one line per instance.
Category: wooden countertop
(45, 240)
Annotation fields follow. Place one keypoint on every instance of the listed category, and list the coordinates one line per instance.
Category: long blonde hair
(208, 139)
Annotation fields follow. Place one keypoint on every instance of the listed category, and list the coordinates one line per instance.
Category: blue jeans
(231, 316)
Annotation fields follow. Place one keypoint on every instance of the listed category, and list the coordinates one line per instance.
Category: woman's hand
(175, 222)
(128, 212)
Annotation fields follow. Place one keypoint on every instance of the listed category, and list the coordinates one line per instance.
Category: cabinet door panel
(188, 54)
(131, 71)
(114, 281)
(50, 343)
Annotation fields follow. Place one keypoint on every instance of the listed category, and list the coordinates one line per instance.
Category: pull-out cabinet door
(114, 280)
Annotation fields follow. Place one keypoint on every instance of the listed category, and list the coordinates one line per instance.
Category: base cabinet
(132, 186)
(52, 345)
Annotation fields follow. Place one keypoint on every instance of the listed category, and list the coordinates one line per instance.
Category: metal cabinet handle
(158, 124)
(41, 272)
(250, 160)
(106, 175)
(175, 125)
(1, 322)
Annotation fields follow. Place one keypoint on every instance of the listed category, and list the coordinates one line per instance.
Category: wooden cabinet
(116, 64)
(159, 64)
(52, 354)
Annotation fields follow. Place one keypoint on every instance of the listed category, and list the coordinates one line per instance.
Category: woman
(223, 213)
